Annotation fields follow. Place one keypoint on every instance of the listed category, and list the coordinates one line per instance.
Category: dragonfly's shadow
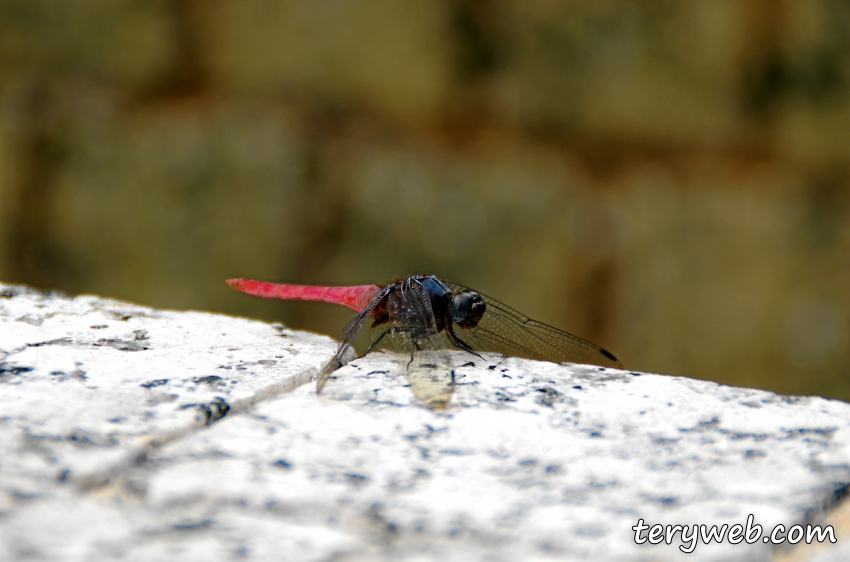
(377, 376)
(380, 377)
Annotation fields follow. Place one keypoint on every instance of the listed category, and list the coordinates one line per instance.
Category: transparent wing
(411, 333)
(505, 330)
(424, 361)
(347, 337)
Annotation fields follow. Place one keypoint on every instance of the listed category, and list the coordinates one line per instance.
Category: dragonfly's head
(467, 309)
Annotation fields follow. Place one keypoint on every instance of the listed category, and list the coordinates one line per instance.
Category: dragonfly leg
(376, 342)
(457, 342)
(414, 347)
(394, 330)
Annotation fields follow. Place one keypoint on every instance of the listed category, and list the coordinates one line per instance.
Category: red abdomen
(355, 298)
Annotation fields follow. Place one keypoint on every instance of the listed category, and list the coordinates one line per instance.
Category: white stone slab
(109, 448)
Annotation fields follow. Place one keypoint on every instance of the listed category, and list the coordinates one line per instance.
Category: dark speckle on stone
(76, 373)
(634, 374)
(739, 435)
(218, 408)
(81, 438)
(267, 362)
(577, 387)
(98, 327)
(548, 396)
(212, 412)
(838, 494)
(492, 367)
(59, 341)
(9, 369)
(154, 383)
(193, 526)
(356, 479)
(120, 345)
(212, 380)
(468, 364)
(754, 454)
(821, 431)
(456, 452)
(702, 425)
(281, 463)
(387, 526)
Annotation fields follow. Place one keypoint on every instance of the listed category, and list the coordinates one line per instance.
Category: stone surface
(143, 434)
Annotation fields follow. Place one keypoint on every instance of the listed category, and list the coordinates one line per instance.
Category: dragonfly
(421, 317)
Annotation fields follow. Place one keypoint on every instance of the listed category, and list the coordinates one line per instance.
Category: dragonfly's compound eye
(467, 309)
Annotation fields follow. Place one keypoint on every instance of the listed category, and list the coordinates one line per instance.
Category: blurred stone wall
(667, 179)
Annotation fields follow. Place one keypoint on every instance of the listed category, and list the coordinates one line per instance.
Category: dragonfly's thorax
(396, 306)
(440, 297)
(465, 308)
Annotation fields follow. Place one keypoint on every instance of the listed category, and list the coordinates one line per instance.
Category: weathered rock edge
(120, 437)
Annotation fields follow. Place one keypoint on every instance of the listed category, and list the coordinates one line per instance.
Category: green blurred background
(668, 179)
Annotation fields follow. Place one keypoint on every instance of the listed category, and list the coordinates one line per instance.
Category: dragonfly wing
(411, 333)
(424, 361)
(505, 330)
(347, 337)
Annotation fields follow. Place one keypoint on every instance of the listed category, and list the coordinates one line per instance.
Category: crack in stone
(120, 477)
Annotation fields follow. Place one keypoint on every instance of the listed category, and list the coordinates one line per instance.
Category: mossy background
(667, 179)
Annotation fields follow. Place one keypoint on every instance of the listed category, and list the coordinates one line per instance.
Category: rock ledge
(142, 434)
